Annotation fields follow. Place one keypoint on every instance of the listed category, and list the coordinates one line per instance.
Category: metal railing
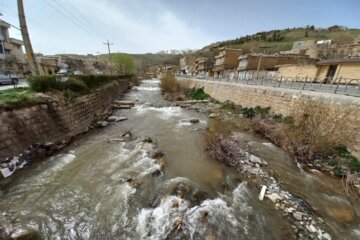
(344, 86)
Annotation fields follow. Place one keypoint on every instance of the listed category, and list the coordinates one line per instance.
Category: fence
(344, 86)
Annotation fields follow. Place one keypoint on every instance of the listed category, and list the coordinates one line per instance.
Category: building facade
(187, 65)
(260, 65)
(226, 62)
(203, 67)
(12, 57)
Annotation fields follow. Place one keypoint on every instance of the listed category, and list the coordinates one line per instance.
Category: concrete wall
(349, 70)
(54, 119)
(345, 110)
(297, 71)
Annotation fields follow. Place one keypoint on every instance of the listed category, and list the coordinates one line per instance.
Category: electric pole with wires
(108, 45)
(26, 39)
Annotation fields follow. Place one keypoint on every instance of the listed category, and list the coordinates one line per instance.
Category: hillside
(280, 40)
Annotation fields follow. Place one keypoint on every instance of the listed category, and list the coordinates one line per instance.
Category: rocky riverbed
(149, 178)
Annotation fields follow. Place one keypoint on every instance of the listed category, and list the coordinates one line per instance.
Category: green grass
(228, 105)
(17, 97)
(198, 94)
(288, 37)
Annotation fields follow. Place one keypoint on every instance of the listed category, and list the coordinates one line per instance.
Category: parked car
(6, 78)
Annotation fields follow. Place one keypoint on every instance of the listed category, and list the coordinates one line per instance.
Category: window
(2, 47)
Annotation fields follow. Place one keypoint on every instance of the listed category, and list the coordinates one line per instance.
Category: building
(47, 65)
(259, 65)
(324, 71)
(12, 57)
(203, 67)
(187, 65)
(335, 68)
(307, 47)
(226, 62)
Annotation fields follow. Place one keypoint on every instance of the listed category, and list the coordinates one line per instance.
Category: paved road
(22, 83)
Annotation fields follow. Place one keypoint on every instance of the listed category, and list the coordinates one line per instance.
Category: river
(96, 189)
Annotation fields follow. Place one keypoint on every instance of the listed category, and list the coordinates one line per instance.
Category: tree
(123, 64)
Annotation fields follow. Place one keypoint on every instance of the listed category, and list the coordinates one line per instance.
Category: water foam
(147, 88)
(163, 111)
(151, 81)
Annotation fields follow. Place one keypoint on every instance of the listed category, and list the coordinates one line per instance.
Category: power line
(84, 19)
(33, 23)
(77, 19)
(68, 17)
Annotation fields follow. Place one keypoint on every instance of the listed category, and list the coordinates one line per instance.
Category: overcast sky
(141, 26)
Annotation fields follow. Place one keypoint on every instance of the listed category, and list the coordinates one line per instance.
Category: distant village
(320, 61)
(13, 59)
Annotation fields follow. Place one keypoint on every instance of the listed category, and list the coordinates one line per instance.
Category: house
(344, 68)
(260, 65)
(187, 65)
(307, 47)
(47, 65)
(324, 70)
(12, 57)
(203, 67)
(226, 62)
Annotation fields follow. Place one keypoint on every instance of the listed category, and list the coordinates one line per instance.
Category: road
(22, 83)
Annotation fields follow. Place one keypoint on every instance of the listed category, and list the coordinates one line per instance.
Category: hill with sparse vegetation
(281, 40)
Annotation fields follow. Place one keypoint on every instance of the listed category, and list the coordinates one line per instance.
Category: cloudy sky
(141, 26)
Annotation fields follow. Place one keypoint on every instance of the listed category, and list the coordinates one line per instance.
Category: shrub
(278, 118)
(198, 94)
(248, 112)
(315, 131)
(168, 83)
(228, 105)
(45, 83)
(354, 164)
(76, 85)
(263, 112)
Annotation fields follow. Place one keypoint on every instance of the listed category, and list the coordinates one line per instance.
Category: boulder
(116, 140)
(298, 215)
(213, 115)
(273, 197)
(25, 234)
(121, 106)
(254, 159)
(116, 119)
(124, 103)
(311, 228)
(146, 139)
(101, 123)
(191, 120)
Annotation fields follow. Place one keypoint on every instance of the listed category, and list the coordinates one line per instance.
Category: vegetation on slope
(281, 40)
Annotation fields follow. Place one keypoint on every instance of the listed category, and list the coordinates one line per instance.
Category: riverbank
(224, 144)
(45, 126)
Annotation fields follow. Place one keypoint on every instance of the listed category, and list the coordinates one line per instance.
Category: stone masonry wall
(54, 119)
(344, 110)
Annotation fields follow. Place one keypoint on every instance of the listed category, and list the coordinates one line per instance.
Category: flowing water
(96, 189)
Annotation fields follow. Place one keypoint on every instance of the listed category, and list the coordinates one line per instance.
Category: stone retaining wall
(344, 110)
(54, 119)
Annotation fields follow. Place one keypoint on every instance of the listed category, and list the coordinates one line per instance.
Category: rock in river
(101, 123)
(116, 119)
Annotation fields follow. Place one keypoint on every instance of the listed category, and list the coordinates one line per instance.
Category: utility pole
(108, 45)
(27, 43)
